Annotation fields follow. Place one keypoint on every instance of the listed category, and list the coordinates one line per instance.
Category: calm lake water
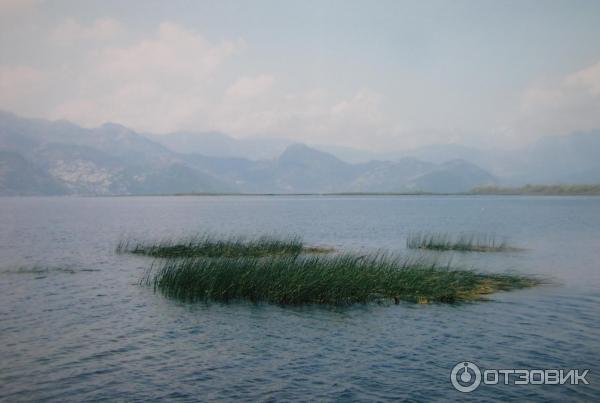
(76, 326)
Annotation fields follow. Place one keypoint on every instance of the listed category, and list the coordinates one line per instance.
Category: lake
(76, 326)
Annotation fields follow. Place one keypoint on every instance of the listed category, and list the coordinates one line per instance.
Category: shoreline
(391, 194)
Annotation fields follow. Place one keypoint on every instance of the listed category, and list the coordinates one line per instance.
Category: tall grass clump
(322, 279)
(209, 246)
(463, 242)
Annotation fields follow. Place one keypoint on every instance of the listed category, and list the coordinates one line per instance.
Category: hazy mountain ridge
(571, 158)
(20, 177)
(43, 157)
(215, 144)
(110, 159)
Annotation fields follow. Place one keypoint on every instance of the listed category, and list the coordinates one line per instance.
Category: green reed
(323, 279)
(462, 242)
(210, 246)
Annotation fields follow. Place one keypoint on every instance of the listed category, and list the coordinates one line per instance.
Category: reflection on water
(75, 325)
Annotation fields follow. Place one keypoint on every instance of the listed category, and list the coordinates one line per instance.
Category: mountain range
(41, 157)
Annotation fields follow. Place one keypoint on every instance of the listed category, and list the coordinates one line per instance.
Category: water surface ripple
(76, 326)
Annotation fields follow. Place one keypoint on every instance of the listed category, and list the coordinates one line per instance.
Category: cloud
(355, 119)
(258, 105)
(16, 77)
(587, 79)
(174, 52)
(249, 88)
(20, 86)
(16, 8)
(568, 104)
(154, 84)
(177, 79)
(70, 31)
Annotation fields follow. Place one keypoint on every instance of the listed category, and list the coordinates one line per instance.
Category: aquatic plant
(210, 246)
(540, 190)
(323, 279)
(36, 269)
(463, 242)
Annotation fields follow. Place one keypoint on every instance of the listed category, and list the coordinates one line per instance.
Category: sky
(374, 75)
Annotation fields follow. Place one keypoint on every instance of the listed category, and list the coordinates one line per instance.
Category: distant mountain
(110, 159)
(454, 176)
(302, 169)
(214, 144)
(309, 170)
(572, 158)
(20, 177)
(43, 157)
(436, 153)
(354, 155)
(299, 169)
(440, 153)
(388, 176)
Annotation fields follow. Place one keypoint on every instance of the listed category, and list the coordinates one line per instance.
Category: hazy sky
(369, 74)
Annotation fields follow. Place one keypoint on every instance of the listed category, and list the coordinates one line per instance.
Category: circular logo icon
(465, 377)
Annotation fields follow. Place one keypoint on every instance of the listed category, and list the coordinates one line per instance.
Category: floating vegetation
(464, 242)
(209, 246)
(285, 271)
(323, 279)
(40, 270)
(541, 190)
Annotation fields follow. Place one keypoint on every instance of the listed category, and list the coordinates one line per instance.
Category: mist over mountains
(40, 157)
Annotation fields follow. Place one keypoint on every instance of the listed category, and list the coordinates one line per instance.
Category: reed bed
(209, 246)
(463, 242)
(323, 279)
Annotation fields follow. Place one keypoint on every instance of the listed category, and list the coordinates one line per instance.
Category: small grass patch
(209, 246)
(322, 279)
(464, 242)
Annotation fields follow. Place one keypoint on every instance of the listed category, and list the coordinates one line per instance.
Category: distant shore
(541, 190)
(528, 190)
